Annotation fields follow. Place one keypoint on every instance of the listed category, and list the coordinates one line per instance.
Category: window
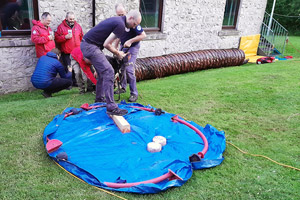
(151, 11)
(231, 13)
(16, 16)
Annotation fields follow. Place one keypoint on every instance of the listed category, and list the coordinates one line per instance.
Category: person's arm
(59, 36)
(37, 38)
(61, 71)
(108, 45)
(117, 42)
(137, 38)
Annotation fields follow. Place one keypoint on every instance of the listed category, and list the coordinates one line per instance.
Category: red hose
(176, 119)
(68, 114)
(203, 152)
(143, 108)
(170, 174)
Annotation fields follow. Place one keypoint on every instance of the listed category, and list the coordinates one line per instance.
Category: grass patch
(257, 106)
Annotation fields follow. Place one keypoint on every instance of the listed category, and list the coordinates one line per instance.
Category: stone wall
(17, 64)
(188, 25)
(191, 25)
(58, 9)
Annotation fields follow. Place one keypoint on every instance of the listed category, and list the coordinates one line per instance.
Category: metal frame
(235, 17)
(160, 14)
(273, 38)
(20, 33)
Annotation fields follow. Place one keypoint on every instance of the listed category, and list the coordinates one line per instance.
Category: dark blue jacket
(46, 70)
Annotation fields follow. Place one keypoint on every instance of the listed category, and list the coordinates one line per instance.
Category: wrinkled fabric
(86, 68)
(99, 152)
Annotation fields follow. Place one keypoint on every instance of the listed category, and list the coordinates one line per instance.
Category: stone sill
(229, 32)
(24, 42)
(155, 36)
(15, 42)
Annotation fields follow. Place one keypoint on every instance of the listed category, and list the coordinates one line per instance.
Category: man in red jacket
(42, 35)
(69, 35)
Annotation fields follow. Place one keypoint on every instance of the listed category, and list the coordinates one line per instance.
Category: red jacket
(40, 36)
(86, 68)
(68, 45)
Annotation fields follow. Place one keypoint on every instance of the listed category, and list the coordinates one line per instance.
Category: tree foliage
(287, 13)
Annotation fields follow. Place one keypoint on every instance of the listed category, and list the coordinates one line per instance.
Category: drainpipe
(94, 12)
(271, 17)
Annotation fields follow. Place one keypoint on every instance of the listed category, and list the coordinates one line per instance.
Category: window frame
(235, 17)
(20, 33)
(160, 14)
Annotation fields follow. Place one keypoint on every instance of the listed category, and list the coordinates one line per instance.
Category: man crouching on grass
(44, 75)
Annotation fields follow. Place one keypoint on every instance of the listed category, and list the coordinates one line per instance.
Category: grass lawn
(258, 107)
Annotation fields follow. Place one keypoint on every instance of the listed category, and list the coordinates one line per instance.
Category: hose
(161, 66)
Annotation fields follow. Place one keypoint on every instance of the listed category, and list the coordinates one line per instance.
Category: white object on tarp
(153, 147)
(160, 139)
(121, 122)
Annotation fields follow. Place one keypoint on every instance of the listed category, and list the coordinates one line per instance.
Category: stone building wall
(17, 64)
(191, 25)
(188, 25)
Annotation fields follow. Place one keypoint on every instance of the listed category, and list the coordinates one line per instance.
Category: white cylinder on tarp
(160, 139)
(153, 147)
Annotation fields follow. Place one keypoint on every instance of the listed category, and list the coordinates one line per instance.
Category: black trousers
(66, 60)
(58, 84)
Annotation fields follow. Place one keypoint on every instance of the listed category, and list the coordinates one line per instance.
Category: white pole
(271, 17)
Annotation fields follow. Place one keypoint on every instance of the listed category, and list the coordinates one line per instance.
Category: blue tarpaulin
(99, 152)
